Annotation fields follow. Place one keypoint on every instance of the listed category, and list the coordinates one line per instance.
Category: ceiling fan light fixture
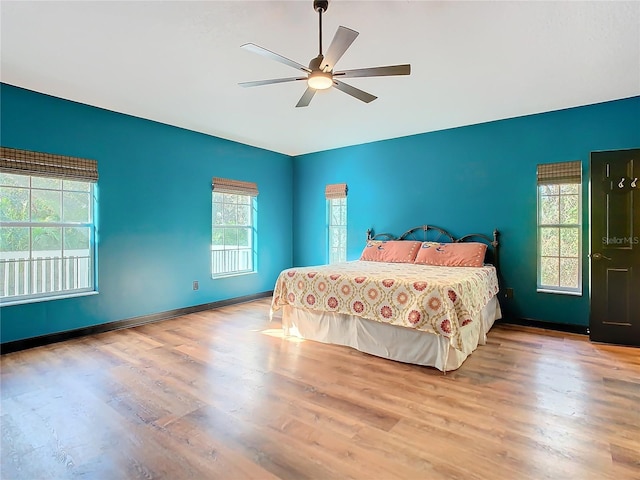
(320, 80)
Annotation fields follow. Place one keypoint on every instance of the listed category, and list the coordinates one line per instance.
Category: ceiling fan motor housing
(320, 5)
(315, 63)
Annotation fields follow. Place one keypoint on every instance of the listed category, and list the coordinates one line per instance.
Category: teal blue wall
(155, 201)
(154, 211)
(467, 180)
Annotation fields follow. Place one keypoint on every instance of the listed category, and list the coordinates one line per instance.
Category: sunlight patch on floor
(279, 333)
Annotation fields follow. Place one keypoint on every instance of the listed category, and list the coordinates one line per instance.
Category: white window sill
(23, 301)
(233, 274)
(559, 292)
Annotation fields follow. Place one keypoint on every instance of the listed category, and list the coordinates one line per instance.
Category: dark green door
(615, 247)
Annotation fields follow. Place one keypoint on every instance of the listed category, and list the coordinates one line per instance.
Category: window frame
(338, 253)
(559, 289)
(251, 227)
(58, 271)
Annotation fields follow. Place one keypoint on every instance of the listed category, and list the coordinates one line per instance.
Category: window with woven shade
(560, 227)
(47, 228)
(336, 195)
(234, 205)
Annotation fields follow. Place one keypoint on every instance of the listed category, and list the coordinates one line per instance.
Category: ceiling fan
(320, 74)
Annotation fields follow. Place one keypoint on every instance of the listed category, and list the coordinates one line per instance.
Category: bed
(425, 297)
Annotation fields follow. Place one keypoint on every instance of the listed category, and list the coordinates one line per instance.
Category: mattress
(438, 300)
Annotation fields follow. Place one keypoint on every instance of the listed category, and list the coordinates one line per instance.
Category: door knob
(598, 256)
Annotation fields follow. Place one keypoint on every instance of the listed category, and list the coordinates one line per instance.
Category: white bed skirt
(389, 341)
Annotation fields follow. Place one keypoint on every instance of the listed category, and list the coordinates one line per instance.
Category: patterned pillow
(469, 254)
(392, 251)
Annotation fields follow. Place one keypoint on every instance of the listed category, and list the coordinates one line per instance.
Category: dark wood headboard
(430, 233)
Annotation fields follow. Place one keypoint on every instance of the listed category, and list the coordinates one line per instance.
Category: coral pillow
(470, 254)
(393, 251)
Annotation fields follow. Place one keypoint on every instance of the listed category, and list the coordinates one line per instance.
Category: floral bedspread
(440, 300)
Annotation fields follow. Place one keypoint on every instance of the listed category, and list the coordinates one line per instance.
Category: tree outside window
(559, 238)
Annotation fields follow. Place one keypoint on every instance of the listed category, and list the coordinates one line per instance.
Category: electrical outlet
(195, 285)
(508, 293)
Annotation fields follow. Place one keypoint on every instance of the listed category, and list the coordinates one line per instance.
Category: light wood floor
(220, 394)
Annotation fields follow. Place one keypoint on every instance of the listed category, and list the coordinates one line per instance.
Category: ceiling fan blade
(306, 97)
(342, 40)
(257, 83)
(375, 71)
(354, 92)
(252, 47)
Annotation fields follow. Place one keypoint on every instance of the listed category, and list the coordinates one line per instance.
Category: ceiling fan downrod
(320, 6)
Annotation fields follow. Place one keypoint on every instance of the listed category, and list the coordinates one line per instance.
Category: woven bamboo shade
(336, 190)
(563, 172)
(26, 162)
(226, 185)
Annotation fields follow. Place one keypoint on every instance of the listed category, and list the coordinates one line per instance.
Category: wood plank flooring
(221, 395)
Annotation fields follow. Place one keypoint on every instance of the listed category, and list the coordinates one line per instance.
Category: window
(336, 195)
(560, 228)
(47, 230)
(234, 228)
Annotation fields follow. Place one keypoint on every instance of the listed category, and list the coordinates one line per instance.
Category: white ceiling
(179, 62)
